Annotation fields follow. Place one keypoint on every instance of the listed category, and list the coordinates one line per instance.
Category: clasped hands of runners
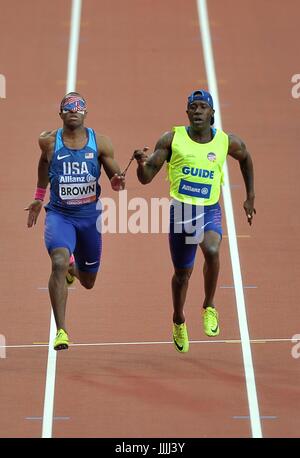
(118, 182)
(140, 155)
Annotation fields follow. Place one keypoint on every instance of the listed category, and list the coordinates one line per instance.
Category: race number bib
(77, 193)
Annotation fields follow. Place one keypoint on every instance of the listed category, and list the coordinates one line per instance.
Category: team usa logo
(211, 157)
(77, 185)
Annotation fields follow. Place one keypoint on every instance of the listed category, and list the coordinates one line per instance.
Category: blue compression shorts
(79, 235)
(188, 223)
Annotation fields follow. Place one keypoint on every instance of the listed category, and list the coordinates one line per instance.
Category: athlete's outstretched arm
(43, 179)
(238, 150)
(148, 167)
(110, 165)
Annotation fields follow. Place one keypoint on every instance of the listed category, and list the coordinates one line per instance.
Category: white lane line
(45, 288)
(74, 45)
(52, 354)
(234, 254)
(246, 417)
(232, 287)
(50, 384)
(109, 344)
(54, 418)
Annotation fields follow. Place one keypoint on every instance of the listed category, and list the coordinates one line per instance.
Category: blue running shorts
(78, 234)
(188, 223)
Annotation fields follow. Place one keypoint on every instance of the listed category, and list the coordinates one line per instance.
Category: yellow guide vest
(195, 169)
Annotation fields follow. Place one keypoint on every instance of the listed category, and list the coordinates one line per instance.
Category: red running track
(136, 78)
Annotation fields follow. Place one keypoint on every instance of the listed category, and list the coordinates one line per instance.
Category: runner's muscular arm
(46, 140)
(148, 167)
(238, 150)
(110, 165)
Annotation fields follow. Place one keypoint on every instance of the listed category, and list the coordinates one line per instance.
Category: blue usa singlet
(74, 175)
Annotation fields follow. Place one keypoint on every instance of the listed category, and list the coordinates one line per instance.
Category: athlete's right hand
(33, 212)
(141, 156)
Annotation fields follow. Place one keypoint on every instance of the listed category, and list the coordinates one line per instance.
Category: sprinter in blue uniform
(71, 160)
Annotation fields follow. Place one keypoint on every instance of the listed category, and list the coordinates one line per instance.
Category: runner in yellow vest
(195, 157)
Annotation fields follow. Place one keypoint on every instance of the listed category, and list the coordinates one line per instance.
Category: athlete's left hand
(117, 182)
(33, 212)
(249, 209)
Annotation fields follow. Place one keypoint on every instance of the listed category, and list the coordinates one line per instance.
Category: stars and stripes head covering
(73, 102)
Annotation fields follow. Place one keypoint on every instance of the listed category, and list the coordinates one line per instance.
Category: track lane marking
(47, 424)
(234, 254)
(107, 344)
(238, 236)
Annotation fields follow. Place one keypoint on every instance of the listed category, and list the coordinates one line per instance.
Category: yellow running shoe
(61, 341)
(180, 337)
(211, 322)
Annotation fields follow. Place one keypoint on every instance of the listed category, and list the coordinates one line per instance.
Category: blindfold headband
(73, 103)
